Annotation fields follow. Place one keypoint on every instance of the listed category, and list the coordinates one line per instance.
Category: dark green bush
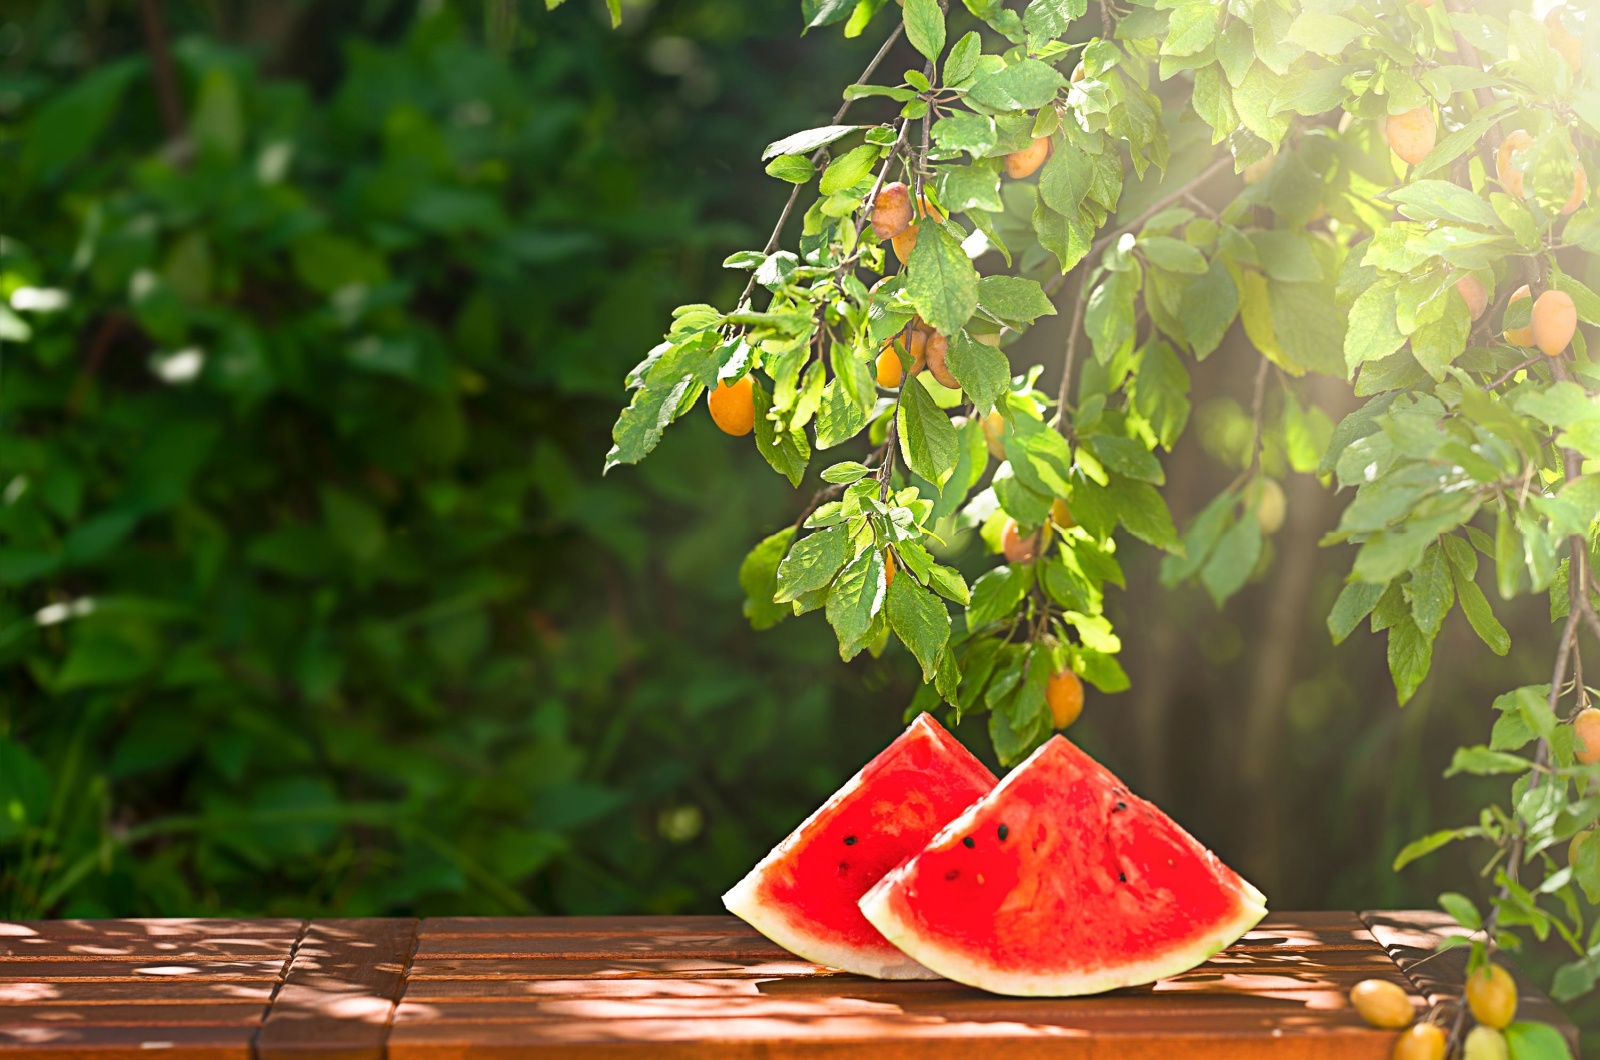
(312, 599)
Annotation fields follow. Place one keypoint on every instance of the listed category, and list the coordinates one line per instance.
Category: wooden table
(647, 987)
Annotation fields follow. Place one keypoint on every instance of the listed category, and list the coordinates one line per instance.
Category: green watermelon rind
(962, 966)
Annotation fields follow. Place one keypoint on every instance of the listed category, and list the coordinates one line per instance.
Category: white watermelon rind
(962, 967)
(743, 901)
(877, 905)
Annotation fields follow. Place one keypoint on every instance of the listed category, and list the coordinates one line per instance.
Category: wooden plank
(156, 928)
(340, 991)
(1190, 1036)
(1411, 939)
(659, 946)
(147, 950)
(555, 968)
(135, 1014)
(125, 1043)
(142, 971)
(73, 992)
(536, 926)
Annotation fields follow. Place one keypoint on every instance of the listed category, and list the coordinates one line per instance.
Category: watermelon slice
(1061, 882)
(804, 894)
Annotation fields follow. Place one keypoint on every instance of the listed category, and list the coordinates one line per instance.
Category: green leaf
(758, 577)
(1233, 559)
(1430, 592)
(66, 127)
(1287, 256)
(1410, 657)
(925, 27)
(803, 143)
(1160, 392)
(796, 169)
(849, 169)
(982, 370)
(963, 58)
(997, 593)
(1460, 906)
(1482, 762)
(815, 12)
(1356, 601)
(1207, 309)
(1373, 332)
(1013, 299)
(941, 282)
(921, 621)
(846, 472)
(1473, 603)
(1139, 507)
(1440, 200)
(1126, 456)
(1535, 1041)
(1174, 255)
(812, 563)
(24, 790)
(788, 452)
(928, 439)
(1191, 29)
(1429, 843)
(1026, 85)
(1322, 33)
(855, 600)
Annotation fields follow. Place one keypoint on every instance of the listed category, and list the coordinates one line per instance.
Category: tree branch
(794, 195)
(166, 75)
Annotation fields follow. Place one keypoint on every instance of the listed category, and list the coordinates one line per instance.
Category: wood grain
(339, 993)
(675, 988)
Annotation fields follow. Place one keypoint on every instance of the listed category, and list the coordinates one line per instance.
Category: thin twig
(794, 195)
(1070, 361)
(1529, 363)
(167, 92)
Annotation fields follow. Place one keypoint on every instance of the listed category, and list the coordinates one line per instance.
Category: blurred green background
(314, 599)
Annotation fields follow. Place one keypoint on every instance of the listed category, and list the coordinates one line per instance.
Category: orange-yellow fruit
(1382, 1003)
(1580, 189)
(888, 568)
(1555, 318)
(1272, 507)
(938, 349)
(1420, 1041)
(1064, 693)
(1019, 549)
(994, 430)
(1411, 135)
(1520, 336)
(1079, 73)
(1492, 996)
(891, 210)
(1026, 162)
(733, 406)
(1424, 3)
(1577, 843)
(1475, 294)
(903, 244)
(1569, 44)
(1061, 515)
(1505, 168)
(1485, 1043)
(908, 238)
(890, 371)
(1586, 728)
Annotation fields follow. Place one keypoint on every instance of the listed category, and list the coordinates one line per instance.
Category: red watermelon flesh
(804, 895)
(1061, 882)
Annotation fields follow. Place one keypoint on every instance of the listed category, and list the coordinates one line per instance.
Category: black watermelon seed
(1120, 806)
(849, 840)
(969, 842)
(952, 874)
(1123, 877)
(1004, 831)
